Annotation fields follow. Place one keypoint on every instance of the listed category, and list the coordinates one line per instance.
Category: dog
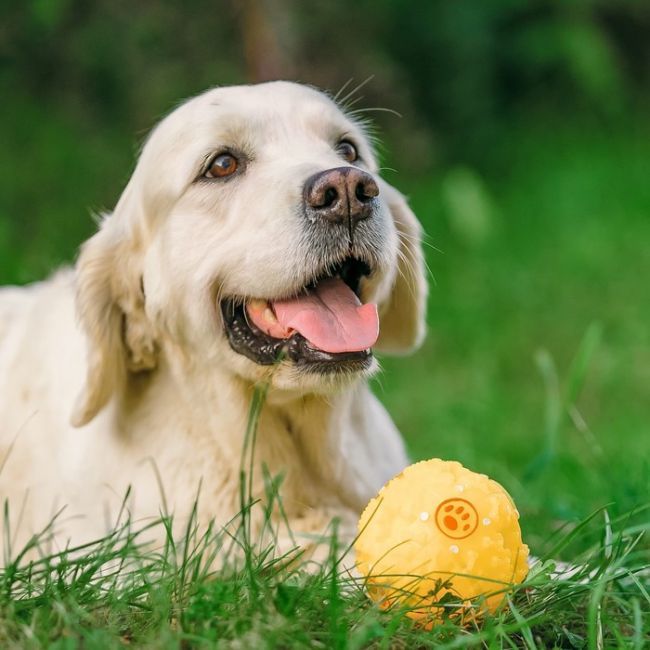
(255, 244)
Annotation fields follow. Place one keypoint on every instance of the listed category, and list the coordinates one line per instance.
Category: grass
(121, 592)
(535, 371)
(117, 594)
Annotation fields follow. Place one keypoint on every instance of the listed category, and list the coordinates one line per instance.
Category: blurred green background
(523, 145)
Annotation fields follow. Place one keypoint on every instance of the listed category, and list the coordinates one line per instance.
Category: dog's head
(256, 234)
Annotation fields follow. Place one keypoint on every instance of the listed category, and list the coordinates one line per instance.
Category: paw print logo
(456, 518)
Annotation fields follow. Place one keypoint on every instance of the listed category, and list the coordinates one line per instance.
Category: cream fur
(118, 373)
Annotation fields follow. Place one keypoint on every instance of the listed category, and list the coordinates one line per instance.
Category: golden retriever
(255, 242)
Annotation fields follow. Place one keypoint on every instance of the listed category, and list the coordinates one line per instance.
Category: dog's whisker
(375, 109)
(342, 89)
(410, 264)
(419, 240)
(407, 264)
(352, 103)
(355, 90)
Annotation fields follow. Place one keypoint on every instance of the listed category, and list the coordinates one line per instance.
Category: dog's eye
(223, 165)
(347, 150)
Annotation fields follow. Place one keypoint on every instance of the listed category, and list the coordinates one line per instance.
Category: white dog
(254, 242)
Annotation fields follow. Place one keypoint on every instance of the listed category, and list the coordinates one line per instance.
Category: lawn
(535, 371)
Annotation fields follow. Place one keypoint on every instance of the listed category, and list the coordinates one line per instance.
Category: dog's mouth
(325, 328)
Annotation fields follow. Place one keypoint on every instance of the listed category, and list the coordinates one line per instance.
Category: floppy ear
(110, 308)
(402, 316)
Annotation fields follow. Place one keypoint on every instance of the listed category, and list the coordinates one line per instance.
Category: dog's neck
(295, 433)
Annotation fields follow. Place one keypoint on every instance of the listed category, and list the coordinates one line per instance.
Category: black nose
(340, 195)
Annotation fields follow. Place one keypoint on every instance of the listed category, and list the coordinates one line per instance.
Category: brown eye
(223, 165)
(347, 150)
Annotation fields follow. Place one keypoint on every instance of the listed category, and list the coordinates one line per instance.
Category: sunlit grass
(221, 586)
(119, 591)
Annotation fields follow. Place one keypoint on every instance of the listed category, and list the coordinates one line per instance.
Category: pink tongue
(330, 317)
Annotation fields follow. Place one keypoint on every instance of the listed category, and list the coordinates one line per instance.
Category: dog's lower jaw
(295, 380)
(286, 379)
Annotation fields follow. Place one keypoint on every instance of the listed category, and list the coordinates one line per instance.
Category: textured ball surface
(438, 535)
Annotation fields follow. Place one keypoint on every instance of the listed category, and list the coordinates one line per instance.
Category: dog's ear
(110, 309)
(402, 317)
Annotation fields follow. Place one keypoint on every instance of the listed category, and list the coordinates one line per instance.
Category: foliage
(459, 70)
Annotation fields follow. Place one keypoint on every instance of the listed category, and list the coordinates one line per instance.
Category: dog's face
(254, 234)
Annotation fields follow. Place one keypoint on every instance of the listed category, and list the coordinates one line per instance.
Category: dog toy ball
(442, 541)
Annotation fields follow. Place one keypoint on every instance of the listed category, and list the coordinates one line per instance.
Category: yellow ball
(439, 539)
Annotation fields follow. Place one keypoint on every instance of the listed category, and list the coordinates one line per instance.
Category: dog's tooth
(270, 316)
(258, 304)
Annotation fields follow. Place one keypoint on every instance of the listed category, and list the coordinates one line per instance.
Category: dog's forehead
(270, 121)
(278, 96)
(264, 109)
